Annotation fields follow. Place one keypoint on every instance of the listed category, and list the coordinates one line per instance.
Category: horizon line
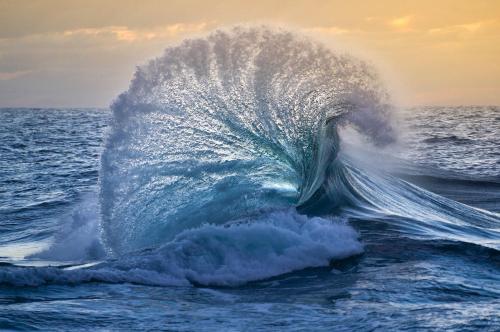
(108, 107)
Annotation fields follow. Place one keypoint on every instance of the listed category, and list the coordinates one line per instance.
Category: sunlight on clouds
(472, 27)
(333, 30)
(461, 28)
(125, 34)
(444, 51)
(401, 22)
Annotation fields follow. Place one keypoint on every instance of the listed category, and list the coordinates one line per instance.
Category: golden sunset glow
(83, 53)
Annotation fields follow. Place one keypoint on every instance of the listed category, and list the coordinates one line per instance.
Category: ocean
(250, 180)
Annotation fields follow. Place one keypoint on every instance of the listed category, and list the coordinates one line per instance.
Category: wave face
(227, 128)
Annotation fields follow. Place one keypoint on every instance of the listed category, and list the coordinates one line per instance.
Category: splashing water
(227, 127)
(223, 166)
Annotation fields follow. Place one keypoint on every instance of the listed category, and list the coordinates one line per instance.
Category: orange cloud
(333, 30)
(461, 28)
(401, 22)
(125, 34)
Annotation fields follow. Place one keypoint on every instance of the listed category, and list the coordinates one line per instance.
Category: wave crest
(228, 126)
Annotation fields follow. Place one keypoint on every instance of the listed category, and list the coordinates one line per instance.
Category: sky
(58, 53)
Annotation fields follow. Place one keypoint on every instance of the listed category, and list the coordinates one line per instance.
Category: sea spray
(229, 126)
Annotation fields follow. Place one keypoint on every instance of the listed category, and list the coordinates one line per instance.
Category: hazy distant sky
(83, 53)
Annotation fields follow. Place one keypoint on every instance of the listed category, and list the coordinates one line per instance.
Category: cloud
(402, 22)
(6, 76)
(125, 34)
(332, 30)
(90, 65)
(462, 28)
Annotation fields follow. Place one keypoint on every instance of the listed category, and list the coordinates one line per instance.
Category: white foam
(277, 243)
(274, 244)
(79, 236)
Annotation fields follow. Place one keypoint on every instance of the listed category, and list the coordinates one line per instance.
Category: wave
(223, 166)
(229, 126)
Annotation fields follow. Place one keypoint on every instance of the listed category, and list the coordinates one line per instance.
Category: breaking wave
(223, 166)
(230, 126)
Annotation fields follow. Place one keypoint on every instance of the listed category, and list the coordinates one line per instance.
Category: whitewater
(251, 172)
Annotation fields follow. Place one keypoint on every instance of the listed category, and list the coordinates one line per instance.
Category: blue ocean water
(243, 183)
